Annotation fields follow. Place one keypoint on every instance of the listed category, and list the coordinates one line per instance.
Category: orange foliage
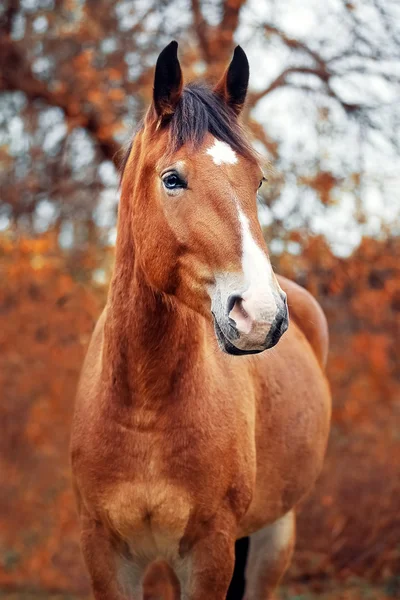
(323, 183)
(48, 306)
(359, 533)
(46, 321)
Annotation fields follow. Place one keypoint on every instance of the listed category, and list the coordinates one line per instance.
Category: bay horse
(189, 430)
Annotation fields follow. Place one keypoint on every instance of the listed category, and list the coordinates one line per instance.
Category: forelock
(201, 111)
(198, 112)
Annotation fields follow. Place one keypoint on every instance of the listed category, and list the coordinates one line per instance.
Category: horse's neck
(149, 339)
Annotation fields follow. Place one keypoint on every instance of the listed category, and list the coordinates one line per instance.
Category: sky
(289, 117)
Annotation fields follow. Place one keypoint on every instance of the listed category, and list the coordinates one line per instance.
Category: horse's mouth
(226, 345)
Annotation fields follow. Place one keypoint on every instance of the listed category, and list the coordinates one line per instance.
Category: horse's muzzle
(257, 337)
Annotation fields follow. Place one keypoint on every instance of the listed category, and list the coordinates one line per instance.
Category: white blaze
(222, 153)
(257, 308)
(258, 299)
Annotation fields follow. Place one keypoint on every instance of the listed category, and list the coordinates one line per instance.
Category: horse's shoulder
(308, 316)
(91, 369)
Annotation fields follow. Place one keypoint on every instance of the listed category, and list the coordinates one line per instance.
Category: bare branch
(16, 75)
(201, 29)
(298, 45)
(221, 44)
(279, 81)
(6, 19)
(321, 71)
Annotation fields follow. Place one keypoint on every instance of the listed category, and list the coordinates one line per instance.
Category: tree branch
(221, 41)
(320, 70)
(201, 29)
(16, 75)
(298, 45)
(6, 19)
(281, 81)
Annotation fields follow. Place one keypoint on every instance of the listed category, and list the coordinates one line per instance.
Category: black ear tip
(240, 54)
(173, 45)
(171, 49)
(169, 54)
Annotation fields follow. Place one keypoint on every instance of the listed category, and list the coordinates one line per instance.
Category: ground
(356, 589)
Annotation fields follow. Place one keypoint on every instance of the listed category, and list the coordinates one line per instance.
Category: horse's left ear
(167, 81)
(232, 87)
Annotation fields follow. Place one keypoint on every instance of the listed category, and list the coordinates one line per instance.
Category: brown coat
(178, 449)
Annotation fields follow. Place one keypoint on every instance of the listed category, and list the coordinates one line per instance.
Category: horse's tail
(161, 582)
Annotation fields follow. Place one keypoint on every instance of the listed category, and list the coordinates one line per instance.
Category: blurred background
(324, 109)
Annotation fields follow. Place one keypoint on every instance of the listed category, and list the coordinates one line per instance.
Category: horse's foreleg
(270, 552)
(100, 559)
(211, 567)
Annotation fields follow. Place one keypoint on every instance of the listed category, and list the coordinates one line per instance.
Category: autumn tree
(76, 77)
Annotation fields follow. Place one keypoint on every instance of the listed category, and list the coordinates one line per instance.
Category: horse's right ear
(167, 81)
(232, 87)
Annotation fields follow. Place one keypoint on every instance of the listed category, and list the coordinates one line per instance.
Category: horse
(202, 415)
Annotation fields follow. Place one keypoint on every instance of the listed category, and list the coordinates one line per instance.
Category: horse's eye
(261, 182)
(171, 181)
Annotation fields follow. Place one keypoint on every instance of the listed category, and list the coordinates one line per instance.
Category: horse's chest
(157, 483)
(152, 515)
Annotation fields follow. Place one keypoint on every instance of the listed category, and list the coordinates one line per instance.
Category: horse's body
(179, 449)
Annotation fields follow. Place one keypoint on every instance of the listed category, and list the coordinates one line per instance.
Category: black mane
(198, 112)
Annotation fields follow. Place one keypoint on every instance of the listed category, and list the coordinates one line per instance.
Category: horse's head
(192, 179)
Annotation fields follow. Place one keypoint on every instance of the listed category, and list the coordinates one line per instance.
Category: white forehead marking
(222, 153)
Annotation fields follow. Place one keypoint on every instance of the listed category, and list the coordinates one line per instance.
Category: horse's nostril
(232, 301)
(238, 315)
